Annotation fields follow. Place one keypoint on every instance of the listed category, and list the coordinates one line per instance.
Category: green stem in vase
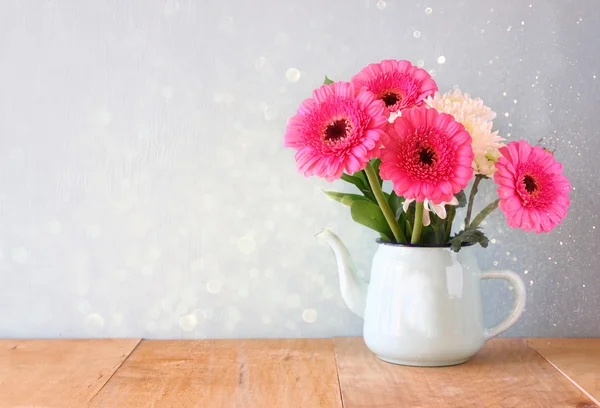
(418, 224)
(484, 213)
(478, 179)
(383, 204)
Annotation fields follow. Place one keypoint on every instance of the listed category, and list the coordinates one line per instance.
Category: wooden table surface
(311, 373)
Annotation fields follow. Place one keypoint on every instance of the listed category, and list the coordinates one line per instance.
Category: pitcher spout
(352, 286)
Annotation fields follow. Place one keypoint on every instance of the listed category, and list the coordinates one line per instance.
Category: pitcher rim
(395, 244)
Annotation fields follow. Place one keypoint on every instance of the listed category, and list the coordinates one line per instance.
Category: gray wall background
(144, 190)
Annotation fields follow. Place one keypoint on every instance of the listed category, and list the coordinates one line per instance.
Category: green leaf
(469, 235)
(362, 176)
(428, 236)
(360, 181)
(462, 199)
(439, 228)
(385, 238)
(344, 198)
(395, 203)
(357, 181)
(435, 232)
(327, 81)
(370, 215)
(450, 214)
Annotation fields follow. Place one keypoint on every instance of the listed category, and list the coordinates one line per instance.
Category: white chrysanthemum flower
(438, 209)
(485, 147)
(461, 106)
(477, 120)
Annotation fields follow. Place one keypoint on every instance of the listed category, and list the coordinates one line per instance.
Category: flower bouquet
(391, 123)
(422, 305)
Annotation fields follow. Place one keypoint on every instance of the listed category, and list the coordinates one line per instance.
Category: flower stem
(383, 204)
(484, 213)
(418, 225)
(478, 179)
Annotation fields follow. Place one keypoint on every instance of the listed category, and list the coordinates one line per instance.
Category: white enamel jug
(422, 306)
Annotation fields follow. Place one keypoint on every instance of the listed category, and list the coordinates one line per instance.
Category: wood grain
(577, 359)
(225, 373)
(506, 373)
(57, 373)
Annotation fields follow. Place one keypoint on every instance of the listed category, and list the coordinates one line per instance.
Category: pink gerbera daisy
(534, 194)
(339, 128)
(428, 156)
(399, 84)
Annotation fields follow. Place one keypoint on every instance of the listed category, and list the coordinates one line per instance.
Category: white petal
(406, 204)
(426, 219)
(440, 210)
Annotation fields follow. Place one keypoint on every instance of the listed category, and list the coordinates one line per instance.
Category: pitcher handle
(518, 307)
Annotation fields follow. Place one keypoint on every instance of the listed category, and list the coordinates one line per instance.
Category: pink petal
(526, 223)
(462, 137)
(512, 203)
(504, 181)
(445, 187)
(505, 192)
(427, 189)
(535, 219)
(306, 106)
(352, 164)
(402, 127)
(511, 152)
(524, 151)
(517, 218)
(369, 143)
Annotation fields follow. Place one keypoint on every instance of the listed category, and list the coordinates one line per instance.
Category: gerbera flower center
(336, 130)
(530, 184)
(427, 156)
(390, 98)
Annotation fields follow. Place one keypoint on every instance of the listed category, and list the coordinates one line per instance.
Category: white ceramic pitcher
(422, 306)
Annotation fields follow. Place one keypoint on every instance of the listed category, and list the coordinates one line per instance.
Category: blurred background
(144, 190)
